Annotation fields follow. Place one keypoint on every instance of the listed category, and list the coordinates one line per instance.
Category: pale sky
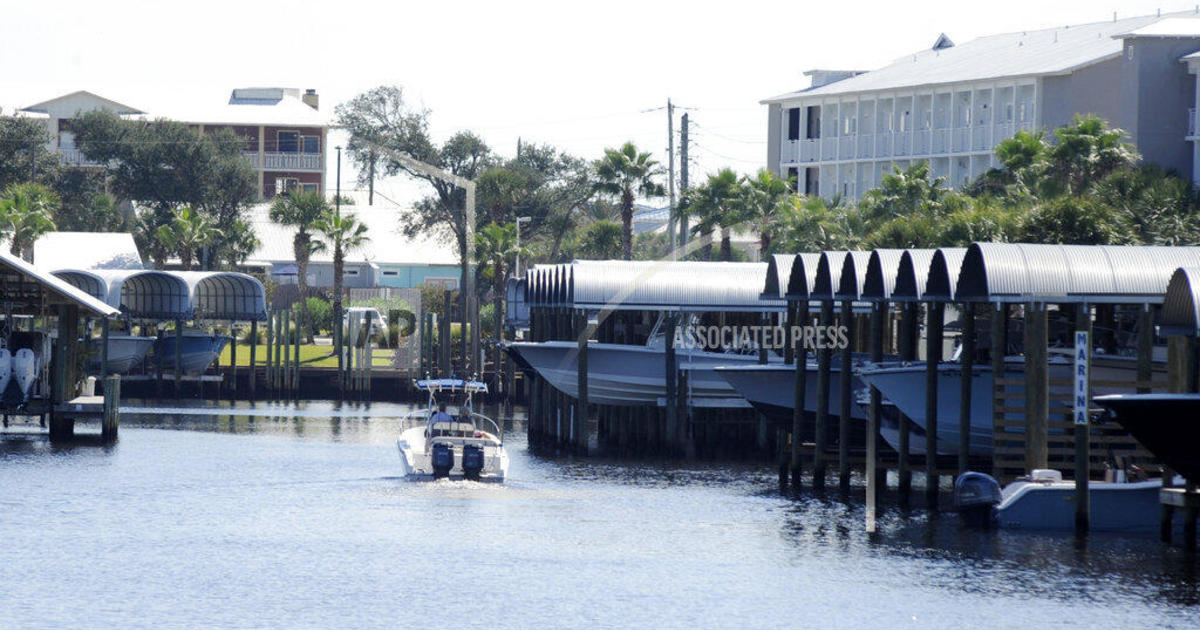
(576, 75)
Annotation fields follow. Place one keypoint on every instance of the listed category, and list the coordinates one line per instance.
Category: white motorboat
(452, 441)
(5, 370)
(124, 352)
(1043, 501)
(25, 371)
(199, 350)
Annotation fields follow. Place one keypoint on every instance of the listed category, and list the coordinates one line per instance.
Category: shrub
(320, 313)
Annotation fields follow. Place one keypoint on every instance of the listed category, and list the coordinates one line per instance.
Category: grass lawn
(310, 356)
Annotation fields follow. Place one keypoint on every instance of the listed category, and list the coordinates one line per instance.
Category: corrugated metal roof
(652, 285)
(942, 276)
(1016, 272)
(223, 295)
(165, 295)
(1168, 27)
(1181, 306)
(803, 276)
(828, 276)
(1018, 54)
(779, 267)
(883, 270)
(37, 287)
(853, 276)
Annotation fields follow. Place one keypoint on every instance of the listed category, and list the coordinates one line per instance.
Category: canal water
(296, 518)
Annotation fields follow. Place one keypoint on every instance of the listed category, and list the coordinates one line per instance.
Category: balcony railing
(1191, 123)
(278, 161)
(790, 151)
(75, 157)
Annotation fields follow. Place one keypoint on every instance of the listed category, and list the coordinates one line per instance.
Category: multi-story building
(284, 130)
(950, 105)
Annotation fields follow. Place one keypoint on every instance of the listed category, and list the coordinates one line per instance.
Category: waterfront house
(951, 104)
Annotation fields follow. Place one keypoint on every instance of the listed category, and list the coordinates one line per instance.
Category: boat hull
(198, 351)
(1168, 425)
(1116, 507)
(124, 352)
(631, 375)
(415, 461)
(771, 389)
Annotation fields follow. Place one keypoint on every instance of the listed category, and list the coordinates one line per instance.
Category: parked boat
(771, 389)
(1168, 425)
(1045, 502)
(25, 371)
(5, 370)
(620, 374)
(124, 352)
(448, 439)
(199, 350)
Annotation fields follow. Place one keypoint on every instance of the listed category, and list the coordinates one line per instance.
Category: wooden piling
(1081, 428)
(1037, 387)
(874, 411)
(801, 385)
(968, 374)
(178, 356)
(581, 414)
(934, 314)
(908, 352)
(253, 358)
(232, 360)
(845, 390)
(672, 375)
(103, 347)
(824, 359)
(111, 419)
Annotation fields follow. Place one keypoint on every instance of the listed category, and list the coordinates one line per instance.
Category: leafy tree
(1074, 221)
(814, 224)
(186, 233)
(718, 203)
(26, 213)
(766, 199)
(1159, 207)
(239, 243)
(626, 173)
(602, 240)
(380, 117)
(302, 211)
(344, 233)
(1087, 151)
(25, 153)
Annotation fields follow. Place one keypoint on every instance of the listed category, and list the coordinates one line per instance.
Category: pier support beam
(844, 391)
(908, 339)
(874, 482)
(934, 314)
(111, 419)
(800, 354)
(581, 433)
(821, 438)
(1083, 398)
(966, 380)
(1037, 387)
(671, 374)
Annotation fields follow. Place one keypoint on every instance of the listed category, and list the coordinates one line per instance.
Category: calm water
(294, 519)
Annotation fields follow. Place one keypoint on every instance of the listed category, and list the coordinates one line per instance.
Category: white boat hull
(1115, 507)
(124, 352)
(632, 375)
(772, 388)
(415, 460)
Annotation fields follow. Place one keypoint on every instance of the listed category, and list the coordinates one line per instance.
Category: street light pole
(517, 266)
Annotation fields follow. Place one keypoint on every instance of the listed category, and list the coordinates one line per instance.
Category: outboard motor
(442, 460)
(975, 495)
(472, 461)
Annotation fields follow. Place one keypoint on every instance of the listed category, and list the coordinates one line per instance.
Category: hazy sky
(576, 75)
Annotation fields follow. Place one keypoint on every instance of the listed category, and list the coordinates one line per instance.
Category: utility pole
(337, 299)
(683, 176)
(671, 210)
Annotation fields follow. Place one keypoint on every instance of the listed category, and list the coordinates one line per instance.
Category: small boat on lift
(199, 350)
(124, 352)
(448, 439)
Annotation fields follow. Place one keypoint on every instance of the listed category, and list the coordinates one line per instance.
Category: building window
(287, 141)
(793, 174)
(391, 273)
(350, 272)
(793, 124)
(310, 144)
(812, 181)
(1008, 112)
(310, 188)
(813, 129)
(284, 185)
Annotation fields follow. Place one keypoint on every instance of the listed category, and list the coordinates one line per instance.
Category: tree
(766, 197)
(86, 206)
(344, 233)
(302, 211)
(1074, 221)
(239, 243)
(718, 203)
(186, 233)
(1087, 151)
(26, 213)
(813, 224)
(25, 153)
(495, 246)
(626, 173)
(380, 117)
(602, 240)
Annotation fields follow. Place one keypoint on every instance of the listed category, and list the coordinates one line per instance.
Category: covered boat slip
(49, 303)
(156, 297)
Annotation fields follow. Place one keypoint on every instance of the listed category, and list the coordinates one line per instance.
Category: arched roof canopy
(803, 276)
(148, 294)
(882, 271)
(1181, 306)
(1017, 272)
(942, 276)
(853, 275)
(87, 281)
(28, 290)
(829, 275)
(670, 286)
(779, 271)
(912, 274)
(223, 295)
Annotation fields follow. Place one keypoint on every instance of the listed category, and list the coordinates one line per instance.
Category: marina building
(951, 104)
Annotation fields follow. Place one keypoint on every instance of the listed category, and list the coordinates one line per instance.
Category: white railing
(278, 161)
(789, 152)
(810, 150)
(75, 157)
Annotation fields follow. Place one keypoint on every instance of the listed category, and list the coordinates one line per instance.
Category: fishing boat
(1043, 501)
(124, 352)
(771, 389)
(1166, 424)
(199, 350)
(448, 439)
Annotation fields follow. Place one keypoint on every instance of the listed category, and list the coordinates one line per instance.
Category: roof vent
(943, 42)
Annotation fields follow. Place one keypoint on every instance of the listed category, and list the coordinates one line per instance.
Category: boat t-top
(448, 439)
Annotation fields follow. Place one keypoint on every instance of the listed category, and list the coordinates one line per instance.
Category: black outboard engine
(443, 460)
(975, 494)
(472, 461)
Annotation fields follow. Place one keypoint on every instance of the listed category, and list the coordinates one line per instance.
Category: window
(287, 141)
(904, 121)
(284, 185)
(350, 272)
(793, 174)
(812, 181)
(793, 123)
(1008, 112)
(813, 130)
(391, 273)
(310, 144)
(310, 188)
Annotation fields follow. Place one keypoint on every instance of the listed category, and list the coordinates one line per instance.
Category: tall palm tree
(766, 198)
(26, 213)
(186, 233)
(495, 246)
(717, 203)
(345, 234)
(626, 173)
(302, 211)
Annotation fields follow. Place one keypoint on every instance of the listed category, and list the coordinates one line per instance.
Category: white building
(950, 105)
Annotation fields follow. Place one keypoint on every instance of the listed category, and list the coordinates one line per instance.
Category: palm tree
(345, 234)
(717, 203)
(239, 243)
(1087, 151)
(766, 198)
(302, 211)
(26, 213)
(186, 233)
(625, 173)
(495, 246)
